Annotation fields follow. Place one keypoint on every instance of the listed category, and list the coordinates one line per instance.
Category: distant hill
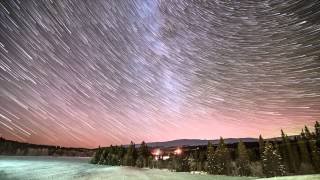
(203, 142)
(12, 146)
(195, 142)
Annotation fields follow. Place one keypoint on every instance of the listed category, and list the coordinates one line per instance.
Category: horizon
(84, 74)
(295, 133)
(165, 141)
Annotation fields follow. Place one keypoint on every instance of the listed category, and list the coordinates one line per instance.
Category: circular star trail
(89, 73)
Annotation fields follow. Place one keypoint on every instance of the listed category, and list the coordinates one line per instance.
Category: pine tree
(96, 156)
(210, 158)
(303, 135)
(181, 163)
(112, 157)
(221, 159)
(243, 160)
(308, 134)
(194, 160)
(131, 156)
(287, 153)
(108, 159)
(261, 146)
(271, 162)
(305, 156)
(139, 162)
(304, 153)
(315, 155)
(202, 159)
(295, 154)
(317, 133)
(185, 163)
(143, 154)
(317, 129)
(103, 157)
(121, 154)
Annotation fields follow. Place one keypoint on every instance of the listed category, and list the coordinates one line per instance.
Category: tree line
(15, 148)
(292, 155)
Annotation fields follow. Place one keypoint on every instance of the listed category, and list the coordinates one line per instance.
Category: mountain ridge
(194, 142)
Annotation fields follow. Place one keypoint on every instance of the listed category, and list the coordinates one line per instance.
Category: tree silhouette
(143, 155)
(271, 161)
(130, 158)
(221, 159)
(210, 158)
(261, 146)
(243, 160)
(287, 153)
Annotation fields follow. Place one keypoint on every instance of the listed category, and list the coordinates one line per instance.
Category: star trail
(88, 73)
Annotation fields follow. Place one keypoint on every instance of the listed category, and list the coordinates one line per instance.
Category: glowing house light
(157, 152)
(178, 151)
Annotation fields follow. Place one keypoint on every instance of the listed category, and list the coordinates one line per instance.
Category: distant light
(165, 157)
(156, 152)
(178, 151)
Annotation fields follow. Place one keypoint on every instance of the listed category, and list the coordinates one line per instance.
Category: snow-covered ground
(17, 168)
(304, 177)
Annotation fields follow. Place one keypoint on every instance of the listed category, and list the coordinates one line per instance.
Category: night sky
(89, 73)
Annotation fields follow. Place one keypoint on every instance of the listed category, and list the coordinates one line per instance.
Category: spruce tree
(243, 161)
(261, 146)
(143, 154)
(181, 163)
(303, 149)
(131, 155)
(317, 133)
(210, 158)
(103, 157)
(109, 156)
(202, 159)
(96, 156)
(303, 135)
(194, 160)
(121, 154)
(113, 156)
(315, 153)
(317, 129)
(221, 159)
(295, 155)
(271, 162)
(185, 163)
(139, 162)
(308, 134)
(287, 153)
(305, 155)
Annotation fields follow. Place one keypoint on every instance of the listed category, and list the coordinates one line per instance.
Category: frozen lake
(18, 168)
